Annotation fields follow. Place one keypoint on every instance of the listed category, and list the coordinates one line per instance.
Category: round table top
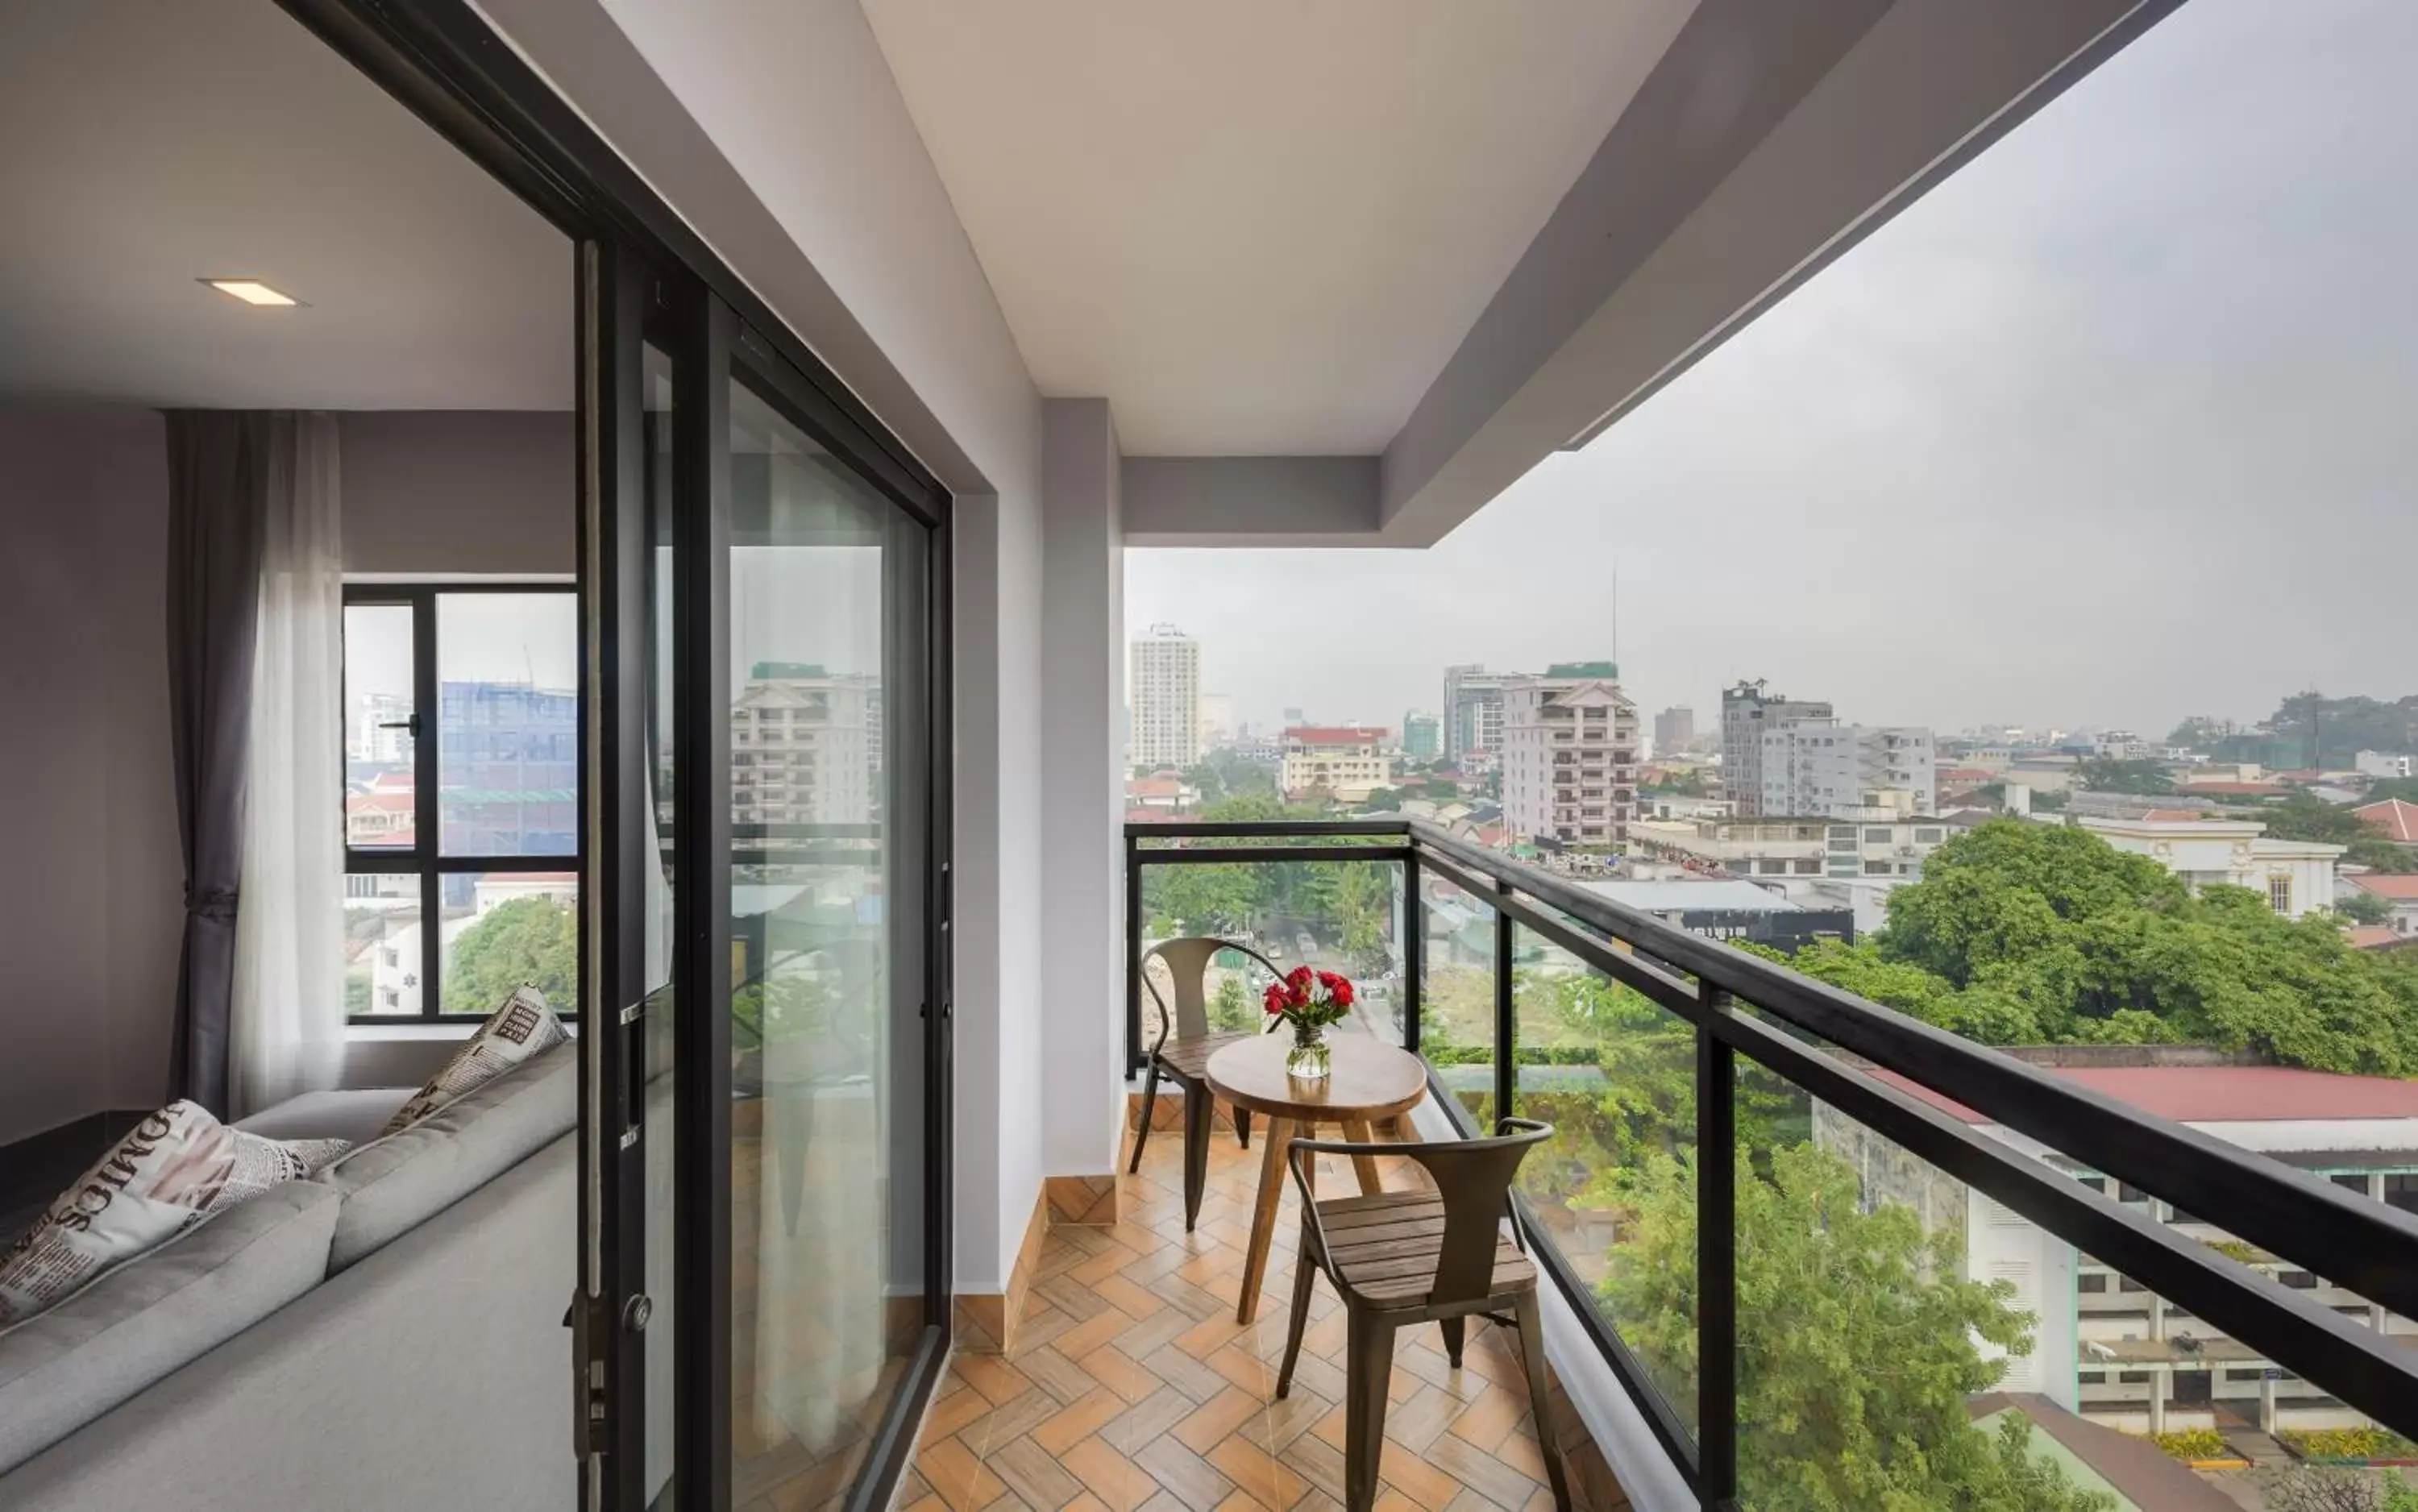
(1369, 1079)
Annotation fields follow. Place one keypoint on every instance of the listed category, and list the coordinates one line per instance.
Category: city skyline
(2063, 444)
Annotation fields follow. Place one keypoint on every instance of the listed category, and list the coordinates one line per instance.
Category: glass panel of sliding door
(828, 873)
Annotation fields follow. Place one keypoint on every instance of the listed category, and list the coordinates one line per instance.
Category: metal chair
(1183, 1055)
(1404, 1258)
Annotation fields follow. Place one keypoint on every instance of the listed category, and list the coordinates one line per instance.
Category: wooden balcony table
(1368, 1080)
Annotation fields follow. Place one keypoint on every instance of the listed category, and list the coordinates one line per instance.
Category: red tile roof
(1335, 735)
(2391, 818)
(2401, 888)
(2202, 1094)
(2375, 936)
(1153, 815)
(1153, 787)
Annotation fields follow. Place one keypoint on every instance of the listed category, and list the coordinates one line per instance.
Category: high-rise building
(805, 746)
(1165, 694)
(1747, 711)
(1473, 709)
(1675, 728)
(1821, 769)
(1422, 735)
(1570, 755)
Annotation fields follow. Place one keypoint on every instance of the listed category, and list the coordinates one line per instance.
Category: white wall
(92, 881)
(1082, 811)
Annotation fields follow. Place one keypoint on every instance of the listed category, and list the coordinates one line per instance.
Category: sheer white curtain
(287, 1026)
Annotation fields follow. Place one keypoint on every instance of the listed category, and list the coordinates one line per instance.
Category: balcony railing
(1478, 964)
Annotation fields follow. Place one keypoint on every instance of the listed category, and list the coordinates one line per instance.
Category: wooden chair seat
(1440, 1254)
(1189, 1059)
(1384, 1250)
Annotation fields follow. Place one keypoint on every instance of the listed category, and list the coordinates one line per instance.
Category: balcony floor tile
(1159, 1399)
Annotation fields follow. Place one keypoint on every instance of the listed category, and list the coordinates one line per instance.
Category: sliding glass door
(767, 937)
(830, 777)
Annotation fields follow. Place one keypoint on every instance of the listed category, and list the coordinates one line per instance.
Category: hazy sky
(2116, 425)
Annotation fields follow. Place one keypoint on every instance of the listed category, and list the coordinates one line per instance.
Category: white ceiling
(145, 144)
(1259, 227)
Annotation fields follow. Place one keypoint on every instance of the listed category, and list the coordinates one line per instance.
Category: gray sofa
(386, 1333)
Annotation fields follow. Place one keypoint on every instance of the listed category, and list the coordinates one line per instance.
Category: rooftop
(1333, 734)
(2209, 1094)
(1679, 894)
(2400, 887)
(2392, 818)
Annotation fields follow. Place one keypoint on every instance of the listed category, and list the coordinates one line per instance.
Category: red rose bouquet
(1308, 1000)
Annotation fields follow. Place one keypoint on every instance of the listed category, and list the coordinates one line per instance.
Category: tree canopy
(2106, 774)
(2033, 934)
(1856, 1342)
(533, 941)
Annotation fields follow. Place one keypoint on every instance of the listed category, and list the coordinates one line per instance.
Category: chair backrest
(1474, 1177)
(1187, 971)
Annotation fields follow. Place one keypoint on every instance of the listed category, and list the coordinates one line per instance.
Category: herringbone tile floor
(1130, 1385)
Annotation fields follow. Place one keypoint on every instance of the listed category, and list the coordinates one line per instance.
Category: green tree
(2300, 816)
(2021, 933)
(2404, 788)
(2106, 775)
(2381, 855)
(1856, 1342)
(2363, 907)
(526, 941)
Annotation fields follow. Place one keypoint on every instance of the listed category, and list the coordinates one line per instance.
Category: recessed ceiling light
(250, 291)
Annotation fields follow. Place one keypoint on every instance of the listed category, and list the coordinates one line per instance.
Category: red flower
(1274, 998)
(1343, 991)
(1300, 976)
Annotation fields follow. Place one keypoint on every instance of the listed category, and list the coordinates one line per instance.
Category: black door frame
(644, 274)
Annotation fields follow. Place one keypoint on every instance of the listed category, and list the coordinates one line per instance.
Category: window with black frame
(461, 741)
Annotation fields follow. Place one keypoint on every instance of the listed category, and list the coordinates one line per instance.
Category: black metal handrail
(1742, 1004)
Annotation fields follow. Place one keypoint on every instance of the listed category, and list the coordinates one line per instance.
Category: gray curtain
(221, 464)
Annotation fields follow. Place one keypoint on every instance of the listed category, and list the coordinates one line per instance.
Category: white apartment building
(1795, 852)
(1747, 713)
(1344, 762)
(2381, 764)
(1164, 683)
(2296, 877)
(2108, 1348)
(1570, 756)
(805, 748)
(1821, 767)
(2121, 745)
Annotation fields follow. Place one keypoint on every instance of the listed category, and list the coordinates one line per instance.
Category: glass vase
(1308, 1060)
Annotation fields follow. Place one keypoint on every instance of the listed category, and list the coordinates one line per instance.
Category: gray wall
(91, 880)
(460, 491)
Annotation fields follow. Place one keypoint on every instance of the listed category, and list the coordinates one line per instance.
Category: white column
(2266, 1401)
(1083, 794)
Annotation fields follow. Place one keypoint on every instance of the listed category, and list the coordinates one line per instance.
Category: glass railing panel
(1884, 1311)
(1341, 916)
(1457, 1031)
(1615, 1075)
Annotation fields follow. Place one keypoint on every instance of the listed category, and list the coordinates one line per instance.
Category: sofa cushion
(356, 1113)
(403, 1180)
(170, 1170)
(104, 1343)
(519, 1030)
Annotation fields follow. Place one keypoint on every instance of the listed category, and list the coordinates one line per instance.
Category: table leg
(1263, 1214)
(1365, 1166)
